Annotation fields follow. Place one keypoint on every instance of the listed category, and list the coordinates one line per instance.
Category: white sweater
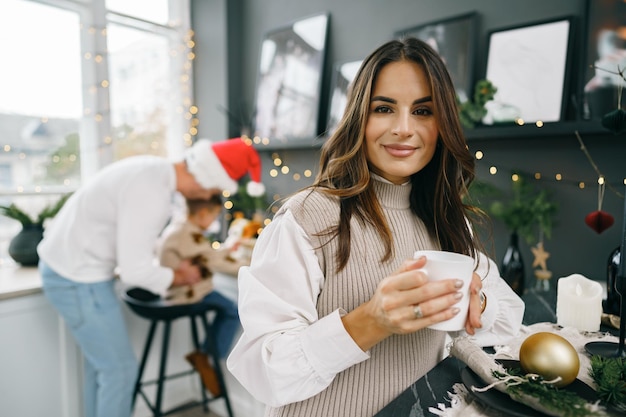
(112, 222)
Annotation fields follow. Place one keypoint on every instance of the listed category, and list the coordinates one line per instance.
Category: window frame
(95, 136)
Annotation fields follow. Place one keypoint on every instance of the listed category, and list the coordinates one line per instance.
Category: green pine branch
(610, 376)
(559, 401)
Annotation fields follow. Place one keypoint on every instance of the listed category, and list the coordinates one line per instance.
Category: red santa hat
(222, 164)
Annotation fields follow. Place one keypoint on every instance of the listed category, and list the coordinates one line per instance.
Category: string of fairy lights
(279, 167)
(559, 177)
(96, 111)
(186, 109)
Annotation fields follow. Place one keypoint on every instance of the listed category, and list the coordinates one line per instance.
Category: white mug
(446, 265)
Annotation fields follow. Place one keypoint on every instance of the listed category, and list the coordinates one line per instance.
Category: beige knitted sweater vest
(396, 362)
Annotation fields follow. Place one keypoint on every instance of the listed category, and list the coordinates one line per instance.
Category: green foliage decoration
(523, 210)
(13, 212)
(559, 402)
(245, 203)
(472, 111)
(610, 376)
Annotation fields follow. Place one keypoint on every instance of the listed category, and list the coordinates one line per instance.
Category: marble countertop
(17, 281)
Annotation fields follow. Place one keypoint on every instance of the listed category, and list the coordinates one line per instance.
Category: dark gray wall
(210, 73)
(358, 26)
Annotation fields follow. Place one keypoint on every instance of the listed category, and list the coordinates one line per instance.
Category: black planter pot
(23, 247)
(512, 267)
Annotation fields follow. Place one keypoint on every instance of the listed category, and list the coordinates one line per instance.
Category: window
(85, 88)
(41, 101)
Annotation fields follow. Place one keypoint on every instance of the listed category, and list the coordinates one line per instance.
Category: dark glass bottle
(512, 267)
(612, 302)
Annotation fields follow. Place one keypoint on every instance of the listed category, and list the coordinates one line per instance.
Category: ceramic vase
(23, 247)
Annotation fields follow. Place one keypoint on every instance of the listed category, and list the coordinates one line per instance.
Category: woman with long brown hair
(335, 312)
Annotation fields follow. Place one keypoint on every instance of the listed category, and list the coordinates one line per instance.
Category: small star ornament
(542, 275)
(541, 256)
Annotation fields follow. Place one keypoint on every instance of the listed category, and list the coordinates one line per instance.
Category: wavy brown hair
(437, 189)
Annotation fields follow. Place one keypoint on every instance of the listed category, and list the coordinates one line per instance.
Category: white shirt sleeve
(503, 315)
(286, 352)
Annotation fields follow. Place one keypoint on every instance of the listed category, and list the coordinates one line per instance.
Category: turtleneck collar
(391, 195)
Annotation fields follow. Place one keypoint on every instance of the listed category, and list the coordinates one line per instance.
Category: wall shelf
(529, 131)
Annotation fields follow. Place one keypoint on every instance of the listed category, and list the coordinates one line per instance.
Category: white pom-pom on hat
(222, 164)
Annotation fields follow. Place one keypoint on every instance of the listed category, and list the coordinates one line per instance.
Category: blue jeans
(225, 323)
(94, 315)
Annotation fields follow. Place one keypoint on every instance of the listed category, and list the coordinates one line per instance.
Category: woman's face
(401, 130)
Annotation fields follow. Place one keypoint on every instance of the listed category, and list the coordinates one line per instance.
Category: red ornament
(599, 220)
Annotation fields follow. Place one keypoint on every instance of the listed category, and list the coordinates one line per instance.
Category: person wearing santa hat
(109, 227)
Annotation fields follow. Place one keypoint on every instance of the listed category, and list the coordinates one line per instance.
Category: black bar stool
(152, 307)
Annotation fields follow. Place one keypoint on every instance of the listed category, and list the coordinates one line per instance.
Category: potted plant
(526, 213)
(23, 246)
(472, 111)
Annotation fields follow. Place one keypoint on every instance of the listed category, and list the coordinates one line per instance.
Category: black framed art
(605, 56)
(529, 65)
(290, 81)
(455, 40)
(343, 75)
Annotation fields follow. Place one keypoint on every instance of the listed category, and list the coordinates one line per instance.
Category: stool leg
(196, 343)
(161, 380)
(216, 361)
(144, 359)
(194, 333)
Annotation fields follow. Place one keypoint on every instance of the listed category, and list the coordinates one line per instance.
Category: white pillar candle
(579, 303)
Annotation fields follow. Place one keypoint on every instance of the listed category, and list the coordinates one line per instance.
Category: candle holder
(610, 349)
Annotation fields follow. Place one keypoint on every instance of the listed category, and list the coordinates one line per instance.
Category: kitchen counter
(43, 360)
(17, 281)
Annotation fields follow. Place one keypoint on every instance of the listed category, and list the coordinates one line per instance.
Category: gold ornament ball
(550, 355)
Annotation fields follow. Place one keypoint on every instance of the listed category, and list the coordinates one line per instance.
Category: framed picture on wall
(529, 65)
(343, 75)
(605, 55)
(289, 83)
(454, 39)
